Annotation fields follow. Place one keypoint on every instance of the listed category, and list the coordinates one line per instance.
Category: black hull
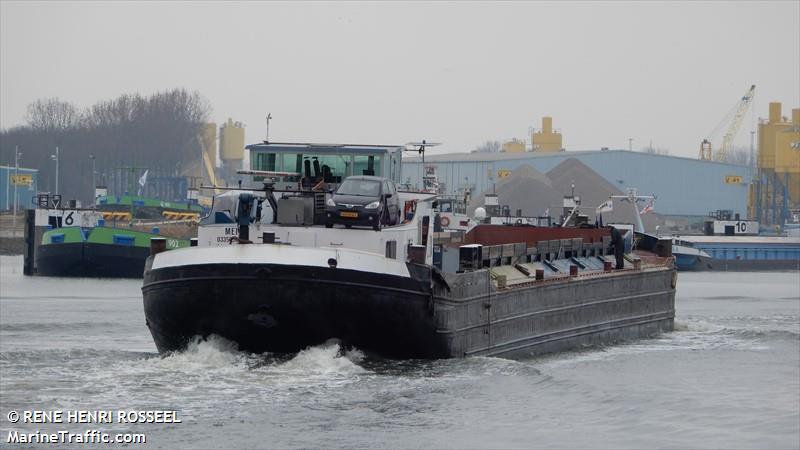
(273, 308)
(286, 308)
(85, 259)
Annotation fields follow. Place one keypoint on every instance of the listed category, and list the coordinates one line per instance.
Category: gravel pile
(534, 192)
(526, 189)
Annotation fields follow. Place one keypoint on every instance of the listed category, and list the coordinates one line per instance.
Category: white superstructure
(390, 242)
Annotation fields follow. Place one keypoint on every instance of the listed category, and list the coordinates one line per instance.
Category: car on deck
(364, 201)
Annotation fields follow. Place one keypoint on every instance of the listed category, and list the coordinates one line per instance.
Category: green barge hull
(98, 252)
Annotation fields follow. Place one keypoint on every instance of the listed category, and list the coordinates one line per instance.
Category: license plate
(349, 214)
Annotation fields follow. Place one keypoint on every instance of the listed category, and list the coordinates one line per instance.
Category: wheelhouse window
(335, 168)
(292, 162)
(367, 165)
(332, 168)
(264, 161)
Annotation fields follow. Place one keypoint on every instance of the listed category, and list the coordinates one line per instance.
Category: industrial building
(208, 139)
(231, 148)
(547, 139)
(230, 142)
(775, 195)
(543, 140)
(25, 181)
(685, 187)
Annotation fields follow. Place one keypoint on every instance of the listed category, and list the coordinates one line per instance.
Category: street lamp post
(56, 158)
(94, 179)
(17, 154)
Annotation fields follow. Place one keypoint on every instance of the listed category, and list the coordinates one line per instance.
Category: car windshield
(369, 188)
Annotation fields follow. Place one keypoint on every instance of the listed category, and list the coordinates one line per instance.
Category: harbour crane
(734, 123)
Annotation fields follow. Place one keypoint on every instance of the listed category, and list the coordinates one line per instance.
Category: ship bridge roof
(321, 148)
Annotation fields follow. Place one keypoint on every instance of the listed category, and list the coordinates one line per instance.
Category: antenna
(632, 197)
(419, 147)
(269, 116)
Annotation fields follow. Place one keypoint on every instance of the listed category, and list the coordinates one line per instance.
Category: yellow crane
(734, 121)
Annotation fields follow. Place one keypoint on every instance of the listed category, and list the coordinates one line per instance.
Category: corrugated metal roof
(323, 148)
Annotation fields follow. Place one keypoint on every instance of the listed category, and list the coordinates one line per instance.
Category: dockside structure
(685, 187)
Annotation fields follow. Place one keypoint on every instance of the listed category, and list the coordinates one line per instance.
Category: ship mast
(634, 198)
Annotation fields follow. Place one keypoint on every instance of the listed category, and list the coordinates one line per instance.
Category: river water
(728, 377)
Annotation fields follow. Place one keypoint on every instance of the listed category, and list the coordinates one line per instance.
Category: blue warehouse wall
(24, 193)
(684, 186)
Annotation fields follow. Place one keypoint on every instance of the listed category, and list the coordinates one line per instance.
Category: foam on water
(323, 360)
(218, 356)
(213, 353)
(698, 325)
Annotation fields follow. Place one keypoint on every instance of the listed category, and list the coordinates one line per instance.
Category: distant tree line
(160, 132)
(488, 147)
(740, 155)
(737, 155)
(655, 150)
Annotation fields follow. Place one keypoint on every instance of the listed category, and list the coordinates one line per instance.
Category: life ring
(445, 221)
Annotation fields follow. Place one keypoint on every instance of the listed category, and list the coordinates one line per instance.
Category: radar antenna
(419, 147)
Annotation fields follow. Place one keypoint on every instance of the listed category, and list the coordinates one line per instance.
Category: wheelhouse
(331, 163)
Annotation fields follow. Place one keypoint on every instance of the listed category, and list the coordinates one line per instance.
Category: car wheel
(328, 225)
(348, 226)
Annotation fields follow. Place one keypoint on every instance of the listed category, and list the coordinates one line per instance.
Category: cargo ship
(281, 285)
(730, 243)
(741, 253)
(98, 252)
(109, 241)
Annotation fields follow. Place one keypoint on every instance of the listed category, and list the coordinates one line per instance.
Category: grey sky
(460, 73)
